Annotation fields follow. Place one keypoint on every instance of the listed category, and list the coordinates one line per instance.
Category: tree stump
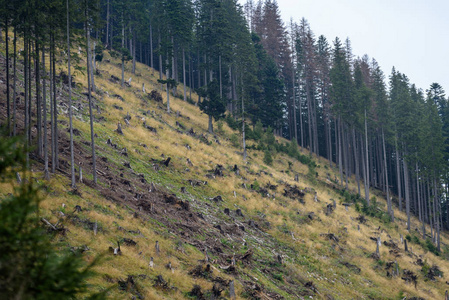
(405, 246)
(158, 250)
(143, 87)
(80, 174)
(18, 178)
(232, 290)
(95, 228)
(151, 264)
(119, 128)
(167, 161)
(296, 177)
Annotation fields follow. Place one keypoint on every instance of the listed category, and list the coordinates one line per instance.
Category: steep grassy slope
(280, 248)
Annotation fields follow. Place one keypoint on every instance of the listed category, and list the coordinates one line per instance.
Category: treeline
(246, 63)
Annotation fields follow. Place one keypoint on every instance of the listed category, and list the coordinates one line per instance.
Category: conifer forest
(269, 90)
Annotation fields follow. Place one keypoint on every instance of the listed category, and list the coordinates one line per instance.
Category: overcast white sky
(412, 35)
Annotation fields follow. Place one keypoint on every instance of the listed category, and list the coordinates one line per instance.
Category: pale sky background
(412, 35)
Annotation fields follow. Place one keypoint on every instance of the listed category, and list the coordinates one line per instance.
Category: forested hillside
(186, 120)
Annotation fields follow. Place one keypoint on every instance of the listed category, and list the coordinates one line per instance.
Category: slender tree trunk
(30, 103)
(107, 24)
(367, 163)
(151, 49)
(133, 42)
(243, 126)
(417, 192)
(94, 62)
(160, 57)
(345, 155)
(173, 66)
(309, 118)
(184, 73)
(362, 150)
(92, 67)
(300, 121)
(356, 156)
(14, 94)
(340, 159)
(294, 106)
(25, 78)
(211, 126)
(429, 208)
(168, 91)
(390, 206)
(8, 105)
(69, 71)
(55, 109)
(123, 56)
(398, 174)
(330, 142)
(407, 191)
(92, 135)
(191, 82)
(435, 218)
(44, 100)
(52, 113)
(38, 101)
(219, 76)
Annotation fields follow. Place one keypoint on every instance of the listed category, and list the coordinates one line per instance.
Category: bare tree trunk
(435, 218)
(160, 58)
(173, 66)
(398, 174)
(219, 76)
(424, 205)
(407, 191)
(133, 42)
(300, 121)
(243, 127)
(25, 78)
(123, 57)
(92, 67)
(429, 208)
(340, 158)
(362, 150)
(168, 90)
(309, 118)
(356, 156)
(14, 94)
(44, 100)
(417, 192)
(52, 113)
(211, 126)
(367, 163)
(92, 135)
(151, 49)
(294, 106)
(38, 100)
(345, 155)
(184, 72)
(107, 24)
(69, 71)
(330, 141)
(390, 206)
(8, 112)
(30, 81)
(191, 82)
(55, 109)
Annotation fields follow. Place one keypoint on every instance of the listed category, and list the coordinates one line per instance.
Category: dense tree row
(243, 61)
